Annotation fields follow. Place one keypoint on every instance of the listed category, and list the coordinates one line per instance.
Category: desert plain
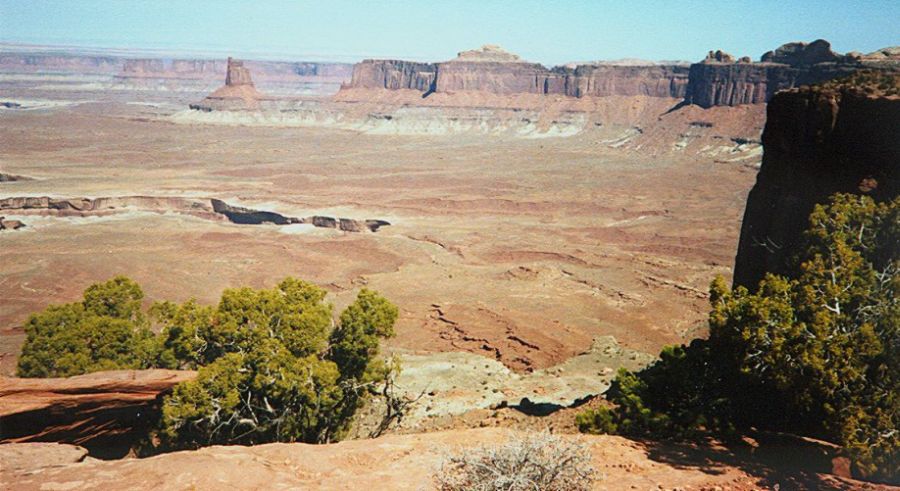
(521, 250)
(533, 243)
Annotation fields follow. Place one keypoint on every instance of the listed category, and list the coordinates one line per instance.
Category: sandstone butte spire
(237, 74)
(237, 94)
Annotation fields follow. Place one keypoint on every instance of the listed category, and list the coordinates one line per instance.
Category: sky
(550, 31)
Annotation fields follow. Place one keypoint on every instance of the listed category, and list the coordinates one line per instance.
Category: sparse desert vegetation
(811, 353)
(537, 461)
(273, 366)
(517, 275)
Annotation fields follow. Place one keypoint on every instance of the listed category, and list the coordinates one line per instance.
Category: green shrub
(815, 353)
(272, 367)
(105, 331)
(679, 396)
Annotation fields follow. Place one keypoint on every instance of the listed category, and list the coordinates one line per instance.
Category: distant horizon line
(260, 55)
(272, 55)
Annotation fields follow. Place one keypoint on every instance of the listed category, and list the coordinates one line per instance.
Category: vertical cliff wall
(493, 77)
(731, 84)
(718, 80)
(393, 75)
(818, 141)
(493, 70)
(606, 80)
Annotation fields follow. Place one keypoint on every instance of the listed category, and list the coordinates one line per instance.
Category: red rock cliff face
(595, 80)
(493, 77)
(492, 70)
(720, 81)
(731, 84)
(107, 412)
(606, 80)
(817, 142)
(393, 75)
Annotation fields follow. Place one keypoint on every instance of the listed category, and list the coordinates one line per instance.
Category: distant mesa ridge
(718, 80)
(493, 70)
(133, 69)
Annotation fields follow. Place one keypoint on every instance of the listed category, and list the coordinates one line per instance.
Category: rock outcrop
(12, 177)
(249, 216)
(491, 69)
(99, 206)
(237, 74)
(489, 53)
(237, 214)
(105, 412)
(407, 462)
(803, 54)
(19, 457)
(713, 83)
(393, 75)
(203, 208)
(889, 54)
(841, 137)
(10, 224)
(494, 77)
(238, 93)
(718, 56)
(601, 80)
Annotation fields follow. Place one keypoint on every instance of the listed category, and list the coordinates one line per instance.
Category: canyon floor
(523, 267)
(520, 250)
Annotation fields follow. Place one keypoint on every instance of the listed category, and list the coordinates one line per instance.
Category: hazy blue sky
(547, 31)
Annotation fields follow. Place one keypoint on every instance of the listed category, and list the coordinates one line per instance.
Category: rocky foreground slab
(396, 462)
(103, 411)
